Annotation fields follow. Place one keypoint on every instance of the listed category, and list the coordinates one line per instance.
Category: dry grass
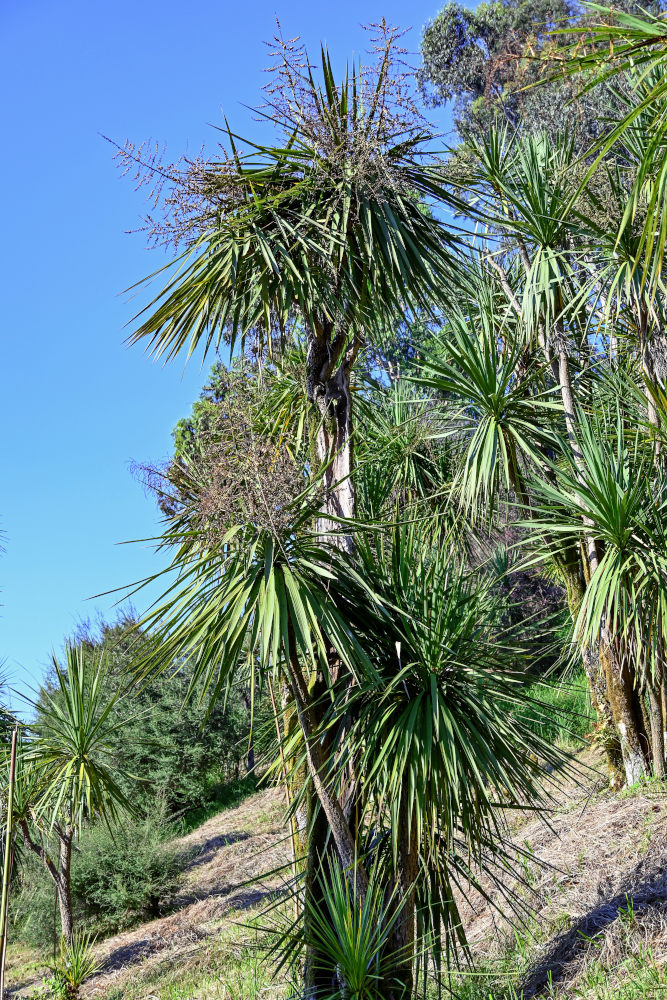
(597, 886)
(228, 855)
(596, 879)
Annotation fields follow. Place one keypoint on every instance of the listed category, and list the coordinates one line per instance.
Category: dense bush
(171, 747)
(126, 873)
(120, 876)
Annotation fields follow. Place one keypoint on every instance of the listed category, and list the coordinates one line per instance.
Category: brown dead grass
(229, 855)
(598, 850)
(599, 871)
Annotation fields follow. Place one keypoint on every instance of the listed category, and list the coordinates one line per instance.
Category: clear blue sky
(78, 406)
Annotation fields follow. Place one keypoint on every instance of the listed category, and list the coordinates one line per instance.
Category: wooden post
(6, 872)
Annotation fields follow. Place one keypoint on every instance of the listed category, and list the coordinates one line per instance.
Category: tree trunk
(330, 360)
(657, 730)
(623, 701)
(620, 680)
(334, 452)
(61, 874)
(402, 941)
(338, 825)
(64, 884)
(571, 571)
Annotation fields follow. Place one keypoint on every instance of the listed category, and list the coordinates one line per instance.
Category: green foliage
(77, 772)
(165, 746)
(70, 968)
(503, 62)
(74, 965)
(495, 416)
(126, 875)
(32, 909)
(220, 797)
(395, 636)
(471, 54)
(327, 222)
(617, 486)
(354, 940)
(560, 711)
(120, 876)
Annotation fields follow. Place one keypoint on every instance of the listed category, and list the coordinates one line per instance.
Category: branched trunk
(60, 874)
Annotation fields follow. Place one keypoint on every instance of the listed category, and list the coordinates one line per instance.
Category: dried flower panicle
(230, 474)
(189, 196)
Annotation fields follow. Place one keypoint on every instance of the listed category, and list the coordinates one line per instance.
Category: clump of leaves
(75, 963)
(190, 195)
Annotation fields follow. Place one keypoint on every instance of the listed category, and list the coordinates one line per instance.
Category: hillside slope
(597, 886)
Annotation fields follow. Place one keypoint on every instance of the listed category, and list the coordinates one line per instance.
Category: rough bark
(657, 730)
(402, 941)
(620, 680)
(64, 884)
(572, 574)
(331, 354)
(338, 825)
(627, 718)
(60, 874)
(329, 366)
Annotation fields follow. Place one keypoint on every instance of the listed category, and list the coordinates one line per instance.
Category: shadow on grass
(636, 894)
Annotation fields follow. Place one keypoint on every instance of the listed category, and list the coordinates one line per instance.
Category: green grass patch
(222, 797)
(564, 715)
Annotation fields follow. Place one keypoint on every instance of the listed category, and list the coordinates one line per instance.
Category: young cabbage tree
(66, 770)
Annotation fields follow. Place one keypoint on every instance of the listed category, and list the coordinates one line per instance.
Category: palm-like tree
(617, 43)
(623, 608)
(436, 737)
(330, 226)
(66, 774)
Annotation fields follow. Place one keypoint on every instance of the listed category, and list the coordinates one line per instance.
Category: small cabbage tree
(66, 774)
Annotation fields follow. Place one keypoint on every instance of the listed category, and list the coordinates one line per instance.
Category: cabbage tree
(66, 772)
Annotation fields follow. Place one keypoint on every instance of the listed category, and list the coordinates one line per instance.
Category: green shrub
(565, 715)
(125, 874)
(33, 914)
(120, 876)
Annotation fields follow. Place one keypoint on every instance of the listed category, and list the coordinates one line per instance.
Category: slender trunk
(64, 884)
(516, 479)
(331, 356)
(334, 453)
(654, 365)
(60, 874)
(340, 830)
(402, 941)
(657, 728)
(320, 975)
(3, 958)
(9, 857)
